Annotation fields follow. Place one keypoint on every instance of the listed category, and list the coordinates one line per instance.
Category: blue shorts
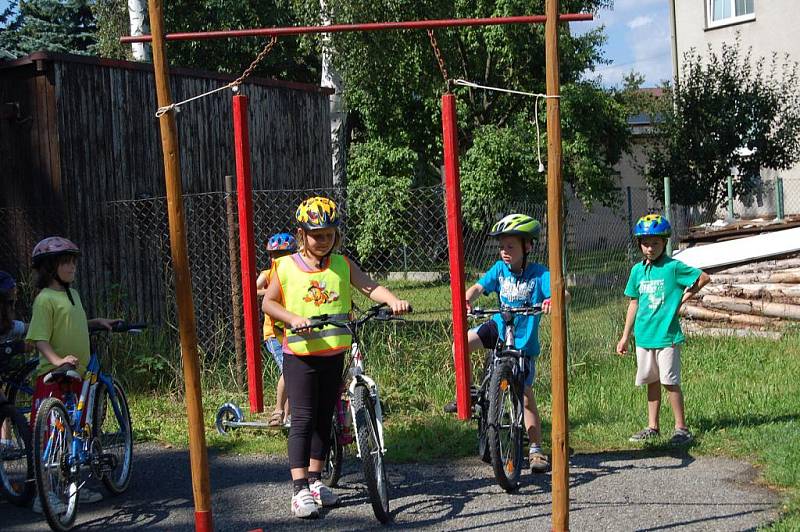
(276, 350)
(487, 332)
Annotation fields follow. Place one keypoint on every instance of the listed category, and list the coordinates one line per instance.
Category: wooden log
(770, 265)
(700, 313)
(754, 290)
(696, 329)
(783, 276)
(747, 306)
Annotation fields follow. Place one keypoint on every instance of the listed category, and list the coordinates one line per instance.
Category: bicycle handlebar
(533, 310)
(380, 312)
(119, 326)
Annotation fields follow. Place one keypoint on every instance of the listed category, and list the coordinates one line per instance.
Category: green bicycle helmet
(517, 224)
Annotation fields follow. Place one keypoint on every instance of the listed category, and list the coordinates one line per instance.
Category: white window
(724, 12)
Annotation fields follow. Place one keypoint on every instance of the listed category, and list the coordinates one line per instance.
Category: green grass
(742, 395)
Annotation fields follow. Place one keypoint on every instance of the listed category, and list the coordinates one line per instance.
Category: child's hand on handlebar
(546, 306)
(106, 323)
(301, 324)
(400, 306)
(69, 359)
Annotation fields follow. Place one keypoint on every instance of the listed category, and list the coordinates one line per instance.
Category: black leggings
(312, 383)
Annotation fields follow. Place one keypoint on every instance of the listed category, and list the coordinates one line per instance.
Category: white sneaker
(287, 423)
(55, 504)
(323, 495)
(303, 504)
(87, 496)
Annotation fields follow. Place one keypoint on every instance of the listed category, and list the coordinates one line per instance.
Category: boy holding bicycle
(518, 283)
(657, 287)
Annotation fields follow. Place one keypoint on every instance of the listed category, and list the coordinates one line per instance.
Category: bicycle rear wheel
(332, 470)
(504, 429)
(16, 458)
(56, 482)
(113, 431)
(371, 453)
(19, 390)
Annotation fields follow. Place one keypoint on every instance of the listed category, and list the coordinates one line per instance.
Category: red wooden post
(244, 186)
(452, 189)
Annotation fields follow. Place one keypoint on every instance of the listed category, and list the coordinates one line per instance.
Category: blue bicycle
(92, 431)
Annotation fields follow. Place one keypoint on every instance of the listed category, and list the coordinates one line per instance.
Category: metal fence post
(668, 211)
(730, 197)
(236, 280)
(630, 208)
(779, 197)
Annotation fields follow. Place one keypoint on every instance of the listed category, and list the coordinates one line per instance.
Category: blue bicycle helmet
(282, 242)
(652, 225)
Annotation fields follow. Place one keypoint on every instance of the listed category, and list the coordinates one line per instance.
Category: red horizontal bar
(370, 26)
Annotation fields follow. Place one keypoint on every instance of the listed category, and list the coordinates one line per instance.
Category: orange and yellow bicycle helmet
(317, 213)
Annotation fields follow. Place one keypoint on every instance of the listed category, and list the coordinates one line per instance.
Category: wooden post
(236, 278)
(452, 190)
(244, 187)
(560, 434)
(183, 281)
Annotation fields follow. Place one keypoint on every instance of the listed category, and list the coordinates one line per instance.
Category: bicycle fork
(373, 392)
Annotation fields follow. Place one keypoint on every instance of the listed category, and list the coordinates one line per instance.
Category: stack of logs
(757, 299)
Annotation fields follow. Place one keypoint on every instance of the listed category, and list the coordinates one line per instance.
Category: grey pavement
(608, 491)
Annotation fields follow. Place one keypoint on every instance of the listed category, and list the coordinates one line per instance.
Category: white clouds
(640, 22)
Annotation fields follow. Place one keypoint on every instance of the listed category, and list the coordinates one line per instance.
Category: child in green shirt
(658, 286)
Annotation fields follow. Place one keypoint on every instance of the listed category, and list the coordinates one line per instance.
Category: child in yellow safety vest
(311, 282)
(278, 245)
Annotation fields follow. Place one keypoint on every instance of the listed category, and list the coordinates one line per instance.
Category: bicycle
(92, 430)
(16, 458)
(499, 405)
(358, 412)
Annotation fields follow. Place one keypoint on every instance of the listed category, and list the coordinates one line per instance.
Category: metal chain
(439, 58)
(260, 57)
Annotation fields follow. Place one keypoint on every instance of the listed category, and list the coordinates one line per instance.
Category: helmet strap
(65, 285)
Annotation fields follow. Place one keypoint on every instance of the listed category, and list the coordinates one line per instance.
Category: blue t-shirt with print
(531, 287)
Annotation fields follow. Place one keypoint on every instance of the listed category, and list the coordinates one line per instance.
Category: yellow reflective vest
(310, 294)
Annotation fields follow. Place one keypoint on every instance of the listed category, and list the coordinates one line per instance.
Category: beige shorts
(658, 365)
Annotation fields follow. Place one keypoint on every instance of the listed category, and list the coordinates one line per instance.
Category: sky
(638, 39)
(638, 34)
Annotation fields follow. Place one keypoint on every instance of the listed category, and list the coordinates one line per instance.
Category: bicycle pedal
(105, 463)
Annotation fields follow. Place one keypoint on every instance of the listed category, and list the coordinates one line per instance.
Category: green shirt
(61, 324)
(659, 288)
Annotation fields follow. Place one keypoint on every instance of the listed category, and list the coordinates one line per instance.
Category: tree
(727, 111)
(393, 86)
(53, 25)
(9, 37)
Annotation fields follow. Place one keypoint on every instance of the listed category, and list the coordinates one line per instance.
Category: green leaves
(379, 196)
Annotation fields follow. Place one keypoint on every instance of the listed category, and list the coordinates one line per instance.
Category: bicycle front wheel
(16, 458)
(56, 479)
(371, 453)
(333, 461)
(504, 430)
(112, 429)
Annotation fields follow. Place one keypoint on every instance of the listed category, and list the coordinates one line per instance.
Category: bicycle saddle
(63, 373)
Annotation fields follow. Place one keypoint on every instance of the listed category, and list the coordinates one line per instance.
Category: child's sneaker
(538, 462)
(644, 435)
(55, 504)
(87, 496)
(681, 437)
(303, 504)
(322, 494)
(287, 423)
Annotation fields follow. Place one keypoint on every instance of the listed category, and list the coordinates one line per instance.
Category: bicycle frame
(360, 378)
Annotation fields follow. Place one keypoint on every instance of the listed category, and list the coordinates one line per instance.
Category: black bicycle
(360, 399)
(16, 456)
(499, 402)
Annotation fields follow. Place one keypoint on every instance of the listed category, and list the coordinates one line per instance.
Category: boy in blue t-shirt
(518, 284)
(658, 286)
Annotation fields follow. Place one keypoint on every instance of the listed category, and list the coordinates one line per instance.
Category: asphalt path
(642, 491)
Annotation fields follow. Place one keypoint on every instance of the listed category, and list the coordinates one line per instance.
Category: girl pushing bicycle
(312, 282)
(518, 283)
(59, 328)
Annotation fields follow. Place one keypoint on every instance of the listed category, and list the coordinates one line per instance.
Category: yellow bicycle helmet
(317, 213)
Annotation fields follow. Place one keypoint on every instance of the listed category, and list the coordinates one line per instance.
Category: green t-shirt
(659, 288)
(61, 324)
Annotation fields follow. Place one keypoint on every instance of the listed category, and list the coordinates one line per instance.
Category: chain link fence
(598, 253)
